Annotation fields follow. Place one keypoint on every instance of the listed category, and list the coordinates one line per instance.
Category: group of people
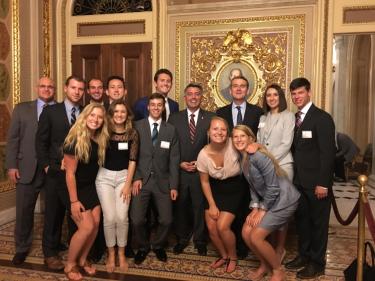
(235, 177)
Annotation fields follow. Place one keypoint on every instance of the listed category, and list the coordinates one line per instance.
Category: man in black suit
(314, 154)
(241, 112)
(54, 125)
(23, 168)
(156, 178)
(192, 125)
(163, 80)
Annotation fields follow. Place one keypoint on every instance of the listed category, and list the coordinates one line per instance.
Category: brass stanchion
(361, 226)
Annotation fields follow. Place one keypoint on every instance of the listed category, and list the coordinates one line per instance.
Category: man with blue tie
(235, 113)
(156, 179)
(54, 125)
(23, 167)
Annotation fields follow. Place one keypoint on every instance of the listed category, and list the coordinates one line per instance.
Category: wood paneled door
(131, 61)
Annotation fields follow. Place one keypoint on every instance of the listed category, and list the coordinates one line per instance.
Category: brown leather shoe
(54, 263)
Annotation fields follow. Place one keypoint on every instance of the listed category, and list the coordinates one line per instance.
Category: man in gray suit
(22, 165)
(191, 125)
(156, 178)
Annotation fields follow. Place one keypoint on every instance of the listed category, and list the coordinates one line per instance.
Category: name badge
(122, 146)
(165, 144)
(261, 125)
(306, 134)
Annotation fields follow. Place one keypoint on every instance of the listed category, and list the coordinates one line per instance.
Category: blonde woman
(219, 171)
(114, 180)
(84, 151)
(273, 201)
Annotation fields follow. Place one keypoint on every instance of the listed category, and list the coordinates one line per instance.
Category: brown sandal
(219, 263)
(74, 269)
(88, 268)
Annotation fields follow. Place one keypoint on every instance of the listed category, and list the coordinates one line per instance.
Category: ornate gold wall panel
(277, 54)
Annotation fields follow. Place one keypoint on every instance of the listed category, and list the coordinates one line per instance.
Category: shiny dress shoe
(202, 250)
(161, 254)
(140, 256)
(297, 263)
(19, 258)
(129, 253)
(310, 271)
(178, 248)
(54, 263)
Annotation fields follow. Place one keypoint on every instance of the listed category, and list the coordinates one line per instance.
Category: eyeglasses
(48, 87)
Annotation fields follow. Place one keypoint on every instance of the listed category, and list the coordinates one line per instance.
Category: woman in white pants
(113, 183)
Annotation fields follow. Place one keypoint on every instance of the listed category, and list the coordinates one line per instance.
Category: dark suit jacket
(251, 118)
(140, 108)
(20, 148)
(189, 151)
(163, 162)
(52, 130)
(314, 157)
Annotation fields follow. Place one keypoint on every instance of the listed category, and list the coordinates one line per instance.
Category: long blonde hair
(80, 135)
(279, 171)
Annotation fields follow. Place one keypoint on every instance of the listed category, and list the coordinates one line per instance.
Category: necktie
(298, 119)
(192, 127)
(73, 116)
(239, 115)
(154, 136)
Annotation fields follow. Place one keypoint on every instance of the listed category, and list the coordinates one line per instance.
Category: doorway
(132, 61)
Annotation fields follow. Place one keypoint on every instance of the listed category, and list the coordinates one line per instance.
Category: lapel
(230, 116)
(34, 114)
(271, 125)
(199, 127)
(305, 123)
(147, 131)
(185, 121)
(64, 113)
(247, 115)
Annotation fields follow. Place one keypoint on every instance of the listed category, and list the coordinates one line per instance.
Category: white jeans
(109, 185)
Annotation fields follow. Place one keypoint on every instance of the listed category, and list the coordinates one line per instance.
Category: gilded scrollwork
(262, 56)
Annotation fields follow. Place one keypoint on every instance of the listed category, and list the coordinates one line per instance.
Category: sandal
(219, 262)
(88, 268)
(229, 261)
(74, 270)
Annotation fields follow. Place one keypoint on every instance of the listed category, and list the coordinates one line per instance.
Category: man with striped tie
(156, 179)
(192, 125)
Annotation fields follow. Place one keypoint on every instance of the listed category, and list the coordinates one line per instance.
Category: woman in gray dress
(273, 201)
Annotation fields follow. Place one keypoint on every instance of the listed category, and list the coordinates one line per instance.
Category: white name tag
(306, 134)
(165, 144)
(122, 146)
(261, 125)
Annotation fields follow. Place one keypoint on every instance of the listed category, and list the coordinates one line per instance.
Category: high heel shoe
(230, 261)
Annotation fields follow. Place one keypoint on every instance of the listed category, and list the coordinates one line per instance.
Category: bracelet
(72, 202)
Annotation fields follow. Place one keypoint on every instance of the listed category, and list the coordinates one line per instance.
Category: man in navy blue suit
(163, 79)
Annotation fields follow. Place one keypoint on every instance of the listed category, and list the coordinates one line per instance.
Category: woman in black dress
(219, 169)
(84, 150)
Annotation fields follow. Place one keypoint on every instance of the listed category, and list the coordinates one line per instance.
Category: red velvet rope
(351, 216)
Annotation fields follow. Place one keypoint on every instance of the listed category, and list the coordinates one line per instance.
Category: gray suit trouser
(138, 214)
(26, 197)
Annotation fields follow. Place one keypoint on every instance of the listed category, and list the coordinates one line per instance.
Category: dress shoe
(310, 271)
(54, 263)
(129, 253)
(140, 256)
(19, 258)
(297, 263)
(202, 250)
(178, 248)
(161, 254)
